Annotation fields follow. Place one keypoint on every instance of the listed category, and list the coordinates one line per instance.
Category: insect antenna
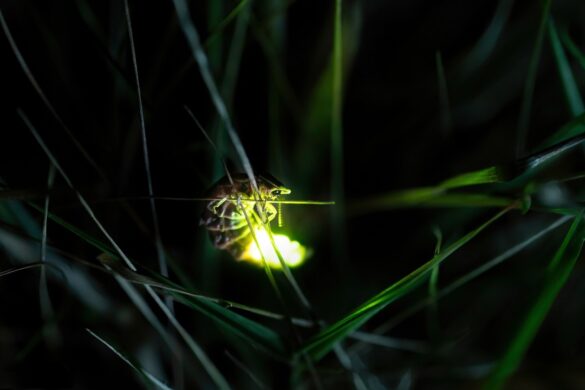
(280, 215)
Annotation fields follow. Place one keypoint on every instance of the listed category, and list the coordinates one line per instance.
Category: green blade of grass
(215, 13)
(482, 176)
(211, 307)
(323, 342)
(337, 213)
(197, 351)
(145, 375)
(427, 197)
(21, 268)
(52, 333)
(467, 278)
(243, 327)
(574, 128)
(524, 120)
(570, 88)
(560, 269)
(192, 37)
(439, 196)
(573, 48)
(160, 251)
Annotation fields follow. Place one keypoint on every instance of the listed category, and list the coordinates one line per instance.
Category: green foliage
(364, 109)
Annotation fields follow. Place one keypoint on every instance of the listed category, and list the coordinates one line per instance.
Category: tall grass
(395, 123)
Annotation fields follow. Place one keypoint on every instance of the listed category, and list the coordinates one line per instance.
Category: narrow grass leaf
(467, 278)
(208, 365)
(21, 268)
(574, 128)
(559, 271)
(337, 214)
(527, 96)
(482, 176)
(568, 80)
(323, 342)
(198, 53)
(162, 262)
(217, 31)
(145, 375)
(212, 308)
(52, 332)
(427, 197)
(573, 48)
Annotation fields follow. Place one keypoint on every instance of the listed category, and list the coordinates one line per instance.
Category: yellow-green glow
(292, 252)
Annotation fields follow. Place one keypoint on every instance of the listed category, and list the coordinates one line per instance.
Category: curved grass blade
(52, 332)
(568, 80)
(218, 30)
(212, 308)
(483, 176)
(323, 342)
(524, 120)
(574, 128)
(145, 375)
(198, 352)
(465, 279)
(190, 32)
(427, 197)
(573, 48)
(559, 271)
(160, 251)
(22, 268)
(337, 215)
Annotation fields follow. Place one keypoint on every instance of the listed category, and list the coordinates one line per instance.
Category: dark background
(396, 136)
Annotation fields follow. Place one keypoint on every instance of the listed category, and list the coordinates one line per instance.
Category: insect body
(235, 206)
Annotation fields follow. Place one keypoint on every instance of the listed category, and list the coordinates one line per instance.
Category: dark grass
(444, 131)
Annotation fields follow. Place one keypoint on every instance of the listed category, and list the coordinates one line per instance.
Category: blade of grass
(573, 48)
(433, 315)
(44, 98)
(160, 251)
(51, 331)
(276, 35)
(570, 88)
(462, 281)
(483, 176)
(322, 343)
(559, 271)
(338, 232)
(426, 197)
(259, 384)
(574, 128)
(217, 31)
(524, 119)
(212, 371)
(439, 196)
(218, 313)
(192, 37)
(215, 48)
(258, 220)
(212, 308)
(145, 375)
(21, 268)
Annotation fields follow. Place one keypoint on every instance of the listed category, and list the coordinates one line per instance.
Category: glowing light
(292, 252)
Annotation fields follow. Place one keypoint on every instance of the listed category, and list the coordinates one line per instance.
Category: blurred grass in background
(449, 134)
